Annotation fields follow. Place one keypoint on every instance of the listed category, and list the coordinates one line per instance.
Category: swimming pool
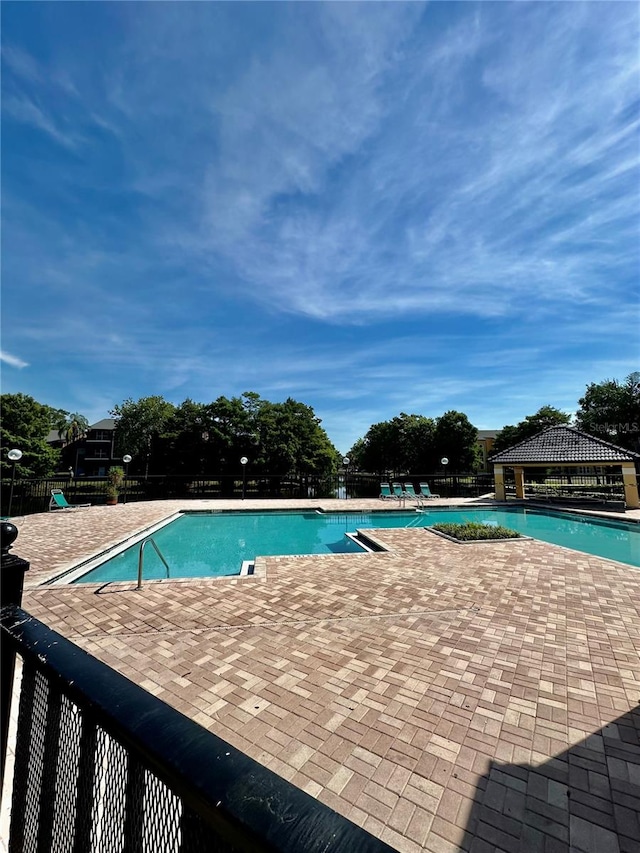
(215, 544)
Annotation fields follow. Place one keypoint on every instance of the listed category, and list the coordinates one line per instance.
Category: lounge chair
(399, 492)
(426, 492)
(58, 501)
(411, 493)
(386, 494)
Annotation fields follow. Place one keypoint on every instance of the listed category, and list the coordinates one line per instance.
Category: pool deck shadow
(585, 799)
(394, 686)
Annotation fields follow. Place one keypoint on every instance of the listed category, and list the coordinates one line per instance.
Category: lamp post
(345, 462)
(14, 455)
(243, 462)
(126, 459)
(444, 462)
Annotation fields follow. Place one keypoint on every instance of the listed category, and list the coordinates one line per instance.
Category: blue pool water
(216, 544)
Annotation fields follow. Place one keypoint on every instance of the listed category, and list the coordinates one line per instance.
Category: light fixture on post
(243, 462)
(14, 455)
(444, 462)
(345, 462)
(126, 459)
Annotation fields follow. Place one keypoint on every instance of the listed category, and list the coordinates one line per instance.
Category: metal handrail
(141, 559)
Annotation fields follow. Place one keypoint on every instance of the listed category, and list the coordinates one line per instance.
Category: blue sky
(370, 207)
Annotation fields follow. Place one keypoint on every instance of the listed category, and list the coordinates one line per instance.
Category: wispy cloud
(25, 110)
(21, 63)
(31, 97)
(514, 193)
(356, 176)
(13, 360)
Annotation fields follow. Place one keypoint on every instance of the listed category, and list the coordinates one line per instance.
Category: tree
(455, 439)
(546, 416)
(182, 447)
(73, 427)
(611, 410)
(415, 435)
(415, 444)
(139, 425)
(278, 438)
(25, 426)
(201, 438)
(234, 430)
(291, 439)
(380, 451)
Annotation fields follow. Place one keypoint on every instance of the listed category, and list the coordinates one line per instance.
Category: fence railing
(455, 485)
(101, 765)
(599, 487)
(32, 495)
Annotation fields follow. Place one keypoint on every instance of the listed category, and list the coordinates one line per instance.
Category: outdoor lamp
(444, 462)
(14, 455)
(243, 462)
(126, 459)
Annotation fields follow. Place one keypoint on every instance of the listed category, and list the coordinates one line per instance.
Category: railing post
(12, 569)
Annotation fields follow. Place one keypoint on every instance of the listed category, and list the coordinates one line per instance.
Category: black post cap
(8, 535)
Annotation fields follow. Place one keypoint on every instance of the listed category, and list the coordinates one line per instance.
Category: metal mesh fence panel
(22, 762)
(81, 790)
(109, 793)
(163, 813)
(29, 773)
(63, 829)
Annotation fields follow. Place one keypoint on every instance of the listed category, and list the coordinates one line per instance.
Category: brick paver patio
(478, 697)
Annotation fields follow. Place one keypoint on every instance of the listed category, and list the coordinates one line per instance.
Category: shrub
(115, 478)
(474, 530)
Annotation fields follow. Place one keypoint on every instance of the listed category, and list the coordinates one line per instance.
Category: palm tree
(74, 427)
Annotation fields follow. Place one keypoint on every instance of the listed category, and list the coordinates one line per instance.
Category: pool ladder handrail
(141, 558)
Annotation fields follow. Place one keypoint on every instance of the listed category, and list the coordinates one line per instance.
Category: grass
(472, 531)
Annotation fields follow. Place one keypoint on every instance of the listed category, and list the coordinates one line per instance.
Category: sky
(373, 208)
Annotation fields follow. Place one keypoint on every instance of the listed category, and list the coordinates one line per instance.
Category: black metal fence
(33, 495)
(454, 485)
(102, 766)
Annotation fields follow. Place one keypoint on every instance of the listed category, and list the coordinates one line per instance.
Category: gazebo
(566, 447)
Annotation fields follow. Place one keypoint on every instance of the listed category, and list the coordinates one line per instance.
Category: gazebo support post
(518, 474)
(630, 485)
(498, 476)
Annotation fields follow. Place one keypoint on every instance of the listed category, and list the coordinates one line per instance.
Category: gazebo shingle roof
(560, 445)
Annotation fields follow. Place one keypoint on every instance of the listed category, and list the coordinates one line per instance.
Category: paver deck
(478, 697)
